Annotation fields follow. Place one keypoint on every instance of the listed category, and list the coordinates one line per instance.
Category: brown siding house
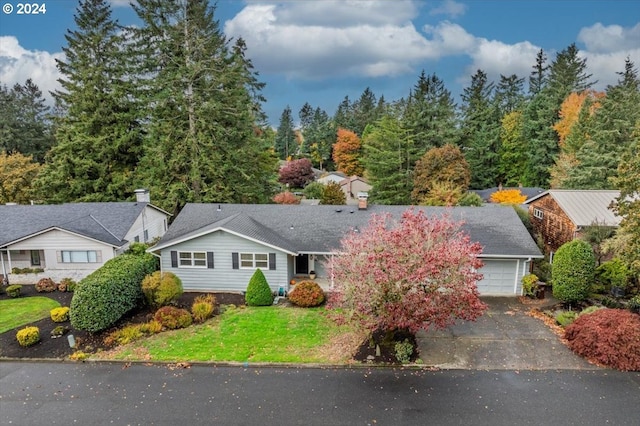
(558, 216)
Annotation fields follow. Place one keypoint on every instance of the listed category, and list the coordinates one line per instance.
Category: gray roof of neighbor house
(105, 222)
(529, 192)
(319, 229)
(584, 207)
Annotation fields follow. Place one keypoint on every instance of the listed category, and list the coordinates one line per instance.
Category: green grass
(251, 334)
(24, 310)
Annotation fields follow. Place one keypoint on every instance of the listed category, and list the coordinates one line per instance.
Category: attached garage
(502, 277)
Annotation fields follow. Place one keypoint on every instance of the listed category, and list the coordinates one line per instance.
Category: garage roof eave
(511, 256)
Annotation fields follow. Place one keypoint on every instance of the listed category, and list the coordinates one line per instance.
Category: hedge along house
(74, 239)
(218, 247)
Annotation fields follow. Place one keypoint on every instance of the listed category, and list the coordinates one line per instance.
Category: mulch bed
(49, 347)
(58, 348)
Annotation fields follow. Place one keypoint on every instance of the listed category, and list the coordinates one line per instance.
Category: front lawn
(24, 310)
(252, 334)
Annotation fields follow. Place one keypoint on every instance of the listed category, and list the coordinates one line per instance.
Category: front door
(302, 264)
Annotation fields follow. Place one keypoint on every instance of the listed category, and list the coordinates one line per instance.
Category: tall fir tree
(286, 145)
(366, 111)
(481, 131)
(204, 141)
(513, 150)
(387, 161)
(538, 77)
(98, 135)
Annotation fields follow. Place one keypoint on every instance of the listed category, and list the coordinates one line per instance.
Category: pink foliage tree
(297, 173)
(416, 273)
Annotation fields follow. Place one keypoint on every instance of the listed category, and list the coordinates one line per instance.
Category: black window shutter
(174, 259)
(234, 261)
(272, 261)
(210, 259)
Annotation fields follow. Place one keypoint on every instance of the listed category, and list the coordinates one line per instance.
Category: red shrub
(607, 336)
(46, 285)
(307, 294)
(171, 317)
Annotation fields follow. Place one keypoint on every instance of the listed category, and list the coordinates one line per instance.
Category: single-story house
(329, 177)
(352, 187)
(74, 239)
(560, 215)
(217, 247)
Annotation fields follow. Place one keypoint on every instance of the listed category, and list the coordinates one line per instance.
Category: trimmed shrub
(124, 335)
(14, 290)
(529, 284)
(203, 307)
(67, 284)
(172, 318)
(109, 293)
(614, 273)
(28, 336)
(46, 285)
(60, 314)
(634, 304)
(573, 271)
(565, 318)
(258, 291)
(59, 331)
(403, 351)
(608, 336)
(307, 294)
(151, 327)
(161, 288)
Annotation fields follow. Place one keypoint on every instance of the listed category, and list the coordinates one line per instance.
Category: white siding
(54, 241)
(223, 277)
(152, 220)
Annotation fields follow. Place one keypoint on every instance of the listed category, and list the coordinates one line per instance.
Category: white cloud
(18, 64)
(612, 38)
(450, 8)
(120, 3)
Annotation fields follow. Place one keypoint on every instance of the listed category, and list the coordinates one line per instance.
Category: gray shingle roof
(319, 229)
(584, 207)
(105, 222)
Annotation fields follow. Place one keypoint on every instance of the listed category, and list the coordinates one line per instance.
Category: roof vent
(219, 209)
(338, 210)
(142, 195)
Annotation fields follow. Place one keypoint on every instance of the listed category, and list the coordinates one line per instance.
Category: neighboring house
(559, 215)
(217, 247)
(72, 240)
(352, 187)
(327, 178)
(529, 192)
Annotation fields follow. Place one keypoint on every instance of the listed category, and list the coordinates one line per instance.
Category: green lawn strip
(251, 334)
(24, 310)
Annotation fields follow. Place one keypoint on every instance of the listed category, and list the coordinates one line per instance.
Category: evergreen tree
(513, 150)
(387, 161)
(333, 194)
(98, 138)
(320, 138)
(24, 121)
(204, 139)
(366, 111)
(286, 145)
(344, 116)
(306, 121)
(610, 135)
(538, 77)
(509, 94)
(481, 131)
(430, 116)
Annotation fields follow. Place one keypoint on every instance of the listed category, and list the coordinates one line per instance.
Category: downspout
(4, 269)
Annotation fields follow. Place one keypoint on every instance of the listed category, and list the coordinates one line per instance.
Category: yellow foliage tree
(508, 196)
(346, 153)
(16, 174)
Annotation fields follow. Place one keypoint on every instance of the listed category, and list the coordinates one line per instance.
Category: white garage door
(499, 277)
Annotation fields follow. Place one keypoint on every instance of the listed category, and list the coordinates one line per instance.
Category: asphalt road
(103, 394)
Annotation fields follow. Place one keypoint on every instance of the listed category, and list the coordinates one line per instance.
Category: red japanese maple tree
(416, 273)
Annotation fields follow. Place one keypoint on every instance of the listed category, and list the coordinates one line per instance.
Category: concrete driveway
(504, 338)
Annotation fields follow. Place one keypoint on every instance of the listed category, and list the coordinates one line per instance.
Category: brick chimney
(362, 200)
(142, 195)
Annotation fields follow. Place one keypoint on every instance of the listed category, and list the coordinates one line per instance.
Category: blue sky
(318, 51)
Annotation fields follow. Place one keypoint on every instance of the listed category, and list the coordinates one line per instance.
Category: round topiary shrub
(60, 314)
(203, 307)
(307, 294)
(28, 336)
(46, 285)
(573, 271)
(607, 336)
(161, 288)
(13, 290)
(258, 291)
(172, 318)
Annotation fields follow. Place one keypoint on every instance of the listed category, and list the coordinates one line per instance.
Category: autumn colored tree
(296, 173)
(513, 149)
(443, 194)
(415, 273)
(446, 164)
(508, 196)
(17, 171)
(286, 197)
(333, 195)
(346, 153)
